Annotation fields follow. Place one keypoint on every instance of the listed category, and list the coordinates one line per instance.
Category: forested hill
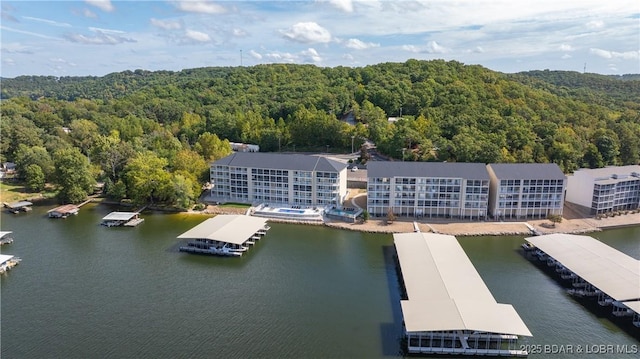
(613, 91)
(124, 122)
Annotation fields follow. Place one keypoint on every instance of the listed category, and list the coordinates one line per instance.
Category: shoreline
(581, 225)
(464, 228)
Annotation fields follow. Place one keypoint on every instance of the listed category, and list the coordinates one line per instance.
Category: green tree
(147, 179)
(26, 156)
(211, 147)
(116, 190)
(72, 175)
(34, 178)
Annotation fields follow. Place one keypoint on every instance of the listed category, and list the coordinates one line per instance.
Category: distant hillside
(450, 112)
(611, 91)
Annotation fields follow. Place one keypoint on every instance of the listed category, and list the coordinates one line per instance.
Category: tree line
(151, 135)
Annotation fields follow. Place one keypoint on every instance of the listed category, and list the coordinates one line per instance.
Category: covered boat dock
(128, 219)
(449, 309)
(20, 206)
(7, 262)
(63, 211)
(594, 269)
(5, 237)
(226, 235)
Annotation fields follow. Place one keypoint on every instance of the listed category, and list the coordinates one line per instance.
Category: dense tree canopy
(151, 135)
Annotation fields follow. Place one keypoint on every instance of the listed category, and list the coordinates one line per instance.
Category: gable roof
(427, 169)
(285, 161)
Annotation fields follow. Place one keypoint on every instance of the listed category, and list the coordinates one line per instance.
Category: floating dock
(449, 309)
(63, 211)
(224, 235)
(116, 219)
(593, 268)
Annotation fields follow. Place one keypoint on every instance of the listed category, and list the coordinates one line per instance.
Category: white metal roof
(119, 216)
(4, 233)
(235, 229)
(5, 257)
(611, 271)
(444, 290)
(633, 305)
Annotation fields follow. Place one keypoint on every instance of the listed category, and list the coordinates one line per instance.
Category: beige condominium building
(604, 190)
(292, 179)
(526, 190)
(428, 189)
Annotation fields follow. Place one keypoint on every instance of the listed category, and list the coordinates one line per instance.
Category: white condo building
(292, 179)
(604, 190)
(428, 189)
(526, 190)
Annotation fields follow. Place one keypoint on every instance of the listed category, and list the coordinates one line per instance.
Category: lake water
(88, 291)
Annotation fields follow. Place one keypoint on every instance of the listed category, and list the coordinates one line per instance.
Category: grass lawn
(15, 191)
(235, 205)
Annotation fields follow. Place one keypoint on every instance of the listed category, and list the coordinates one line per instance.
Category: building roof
(633, 305)
(235, 229)
(19, 204)
(444, 290)
(5, 257)
(67, 208)
(4, 233)
(476, 171)
(119, 216)
(609, 172)
(285, 161)
(606, 268)
(527, 171)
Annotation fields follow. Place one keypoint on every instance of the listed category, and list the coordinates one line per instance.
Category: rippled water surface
(84, 290)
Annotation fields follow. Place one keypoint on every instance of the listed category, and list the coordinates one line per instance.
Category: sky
(98, 37)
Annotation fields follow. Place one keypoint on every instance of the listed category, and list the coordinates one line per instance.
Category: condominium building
(428, 189)
(604, 190)
(292, 179)
(526, 190)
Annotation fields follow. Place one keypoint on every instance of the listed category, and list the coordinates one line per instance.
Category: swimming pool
(289, 210)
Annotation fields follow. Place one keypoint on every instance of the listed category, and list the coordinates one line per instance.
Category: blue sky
(98, 37)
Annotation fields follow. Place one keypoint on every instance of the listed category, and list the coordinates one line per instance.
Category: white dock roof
(444, 290)
(235, 229)
(119, 216)
(611, 271)
(633, 305)
(4, 233)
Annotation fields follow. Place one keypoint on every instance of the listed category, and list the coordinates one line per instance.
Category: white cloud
(88, 13)
(166, 24)
(435, 48)
(105, 31)
(282, 57)
(628, 55)
(255, 55)
(202, 7)
(360, 45)
(595, 24)
(48, 22)
(566, 47)
(410, 48)
(8, 61)
(197, 36)
(566, 57)
(307, 32)
(311, 55)
(239, 32)
(28, 33)
(104, 5)
(344, 5)
(17, 48)
(102, 37)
